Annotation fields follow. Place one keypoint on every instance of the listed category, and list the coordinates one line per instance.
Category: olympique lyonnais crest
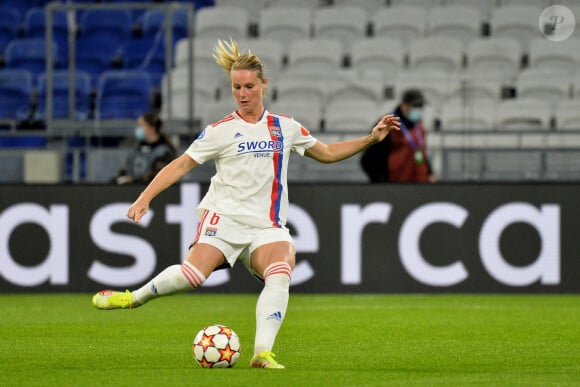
(275, 131)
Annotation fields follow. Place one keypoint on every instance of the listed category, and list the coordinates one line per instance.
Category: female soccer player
(243, 214)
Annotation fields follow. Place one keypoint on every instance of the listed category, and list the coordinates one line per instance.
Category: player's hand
(384, 126)
(138, 209)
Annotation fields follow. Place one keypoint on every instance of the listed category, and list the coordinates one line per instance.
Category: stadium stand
(61, 87)
(285, 24)
(16, 87)
(30, 54)
(9, 28)
(404, 22)
(345, 24)
(500, 89)
(123, 94)
(153, 23)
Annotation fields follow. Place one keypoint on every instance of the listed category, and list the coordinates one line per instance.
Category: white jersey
(252, 163)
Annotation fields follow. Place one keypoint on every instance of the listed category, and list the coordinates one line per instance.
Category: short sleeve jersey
(251, 160)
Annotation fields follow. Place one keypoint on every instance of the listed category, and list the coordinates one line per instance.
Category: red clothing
(401, 161)
(393, 159)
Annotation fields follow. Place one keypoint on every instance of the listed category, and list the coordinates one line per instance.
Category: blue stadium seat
(154, 22)
(95, 56)
(60, 85)
(123, 94)
(108, 25)
(29, 54)
(146, 54)
(35, 27)
(22, 6)
(15, 94)
(9, 27)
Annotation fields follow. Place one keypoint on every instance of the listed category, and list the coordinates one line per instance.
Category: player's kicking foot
(265, 359)
(109, 299)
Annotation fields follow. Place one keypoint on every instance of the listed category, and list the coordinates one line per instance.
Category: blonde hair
(228, 56)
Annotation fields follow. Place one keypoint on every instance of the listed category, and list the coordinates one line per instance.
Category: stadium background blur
(502, 98)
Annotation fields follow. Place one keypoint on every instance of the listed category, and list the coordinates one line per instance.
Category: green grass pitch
(326, 340)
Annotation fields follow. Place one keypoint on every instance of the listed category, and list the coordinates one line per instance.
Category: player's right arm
(171, 173)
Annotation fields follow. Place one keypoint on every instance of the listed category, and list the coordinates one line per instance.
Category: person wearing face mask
(402, 156)
(153, 152)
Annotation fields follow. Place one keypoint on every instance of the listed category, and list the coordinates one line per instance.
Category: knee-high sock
(271, 306)
(174, 279)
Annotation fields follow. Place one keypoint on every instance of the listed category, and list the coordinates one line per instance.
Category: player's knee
(194, 277)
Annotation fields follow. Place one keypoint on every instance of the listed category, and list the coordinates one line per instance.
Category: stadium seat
(204, 93)
(427, 4)
(516, 21)
(154, 22)
(35, 27)
(253, 7)
(370, 6)
(342, 23)
(354, 89)
(456, 21)
(377, 58)
(16, 88)
(313, 90)
(95, 56)
(222, 22)
(60, 85)
(464, 117)
(109, 25)
(147, 53)
(436, 53)
(123, 94)
(310, 116)
(474, 88)
(308, 4)
(435, 85)
(314, 56)
(285, 24)
(21, 6)
(350, 116)
(497, 57)
(544, 85)
(405, 22)
(270, 51)
(9, 28)
(561, 57)
(567, 115)
(524, 114)
(217, 110)
(29, 54)
(486, 7)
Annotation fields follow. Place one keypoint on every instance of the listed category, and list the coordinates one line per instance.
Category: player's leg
(273, 262)
(201, 260)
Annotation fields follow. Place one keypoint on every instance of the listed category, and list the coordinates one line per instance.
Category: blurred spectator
(152, 153)
(401, 156)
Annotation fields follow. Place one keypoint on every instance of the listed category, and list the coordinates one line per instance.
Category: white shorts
(237, 240)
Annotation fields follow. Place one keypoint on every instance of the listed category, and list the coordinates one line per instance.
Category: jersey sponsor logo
(210, 231)
(259, 146)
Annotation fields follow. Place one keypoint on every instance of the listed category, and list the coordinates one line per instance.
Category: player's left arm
(331, 153)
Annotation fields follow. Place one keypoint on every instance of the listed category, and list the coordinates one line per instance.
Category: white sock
(172, 280)
(271, 306)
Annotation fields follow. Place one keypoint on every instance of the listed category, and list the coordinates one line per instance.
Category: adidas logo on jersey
(238, 135)
(275, 316)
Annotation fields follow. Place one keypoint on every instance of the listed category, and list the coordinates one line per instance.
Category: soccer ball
(216, 346)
